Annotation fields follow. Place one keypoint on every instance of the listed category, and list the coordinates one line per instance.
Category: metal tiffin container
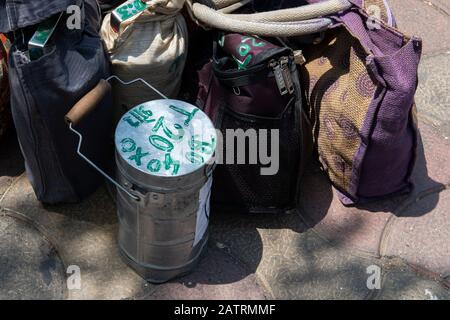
(165, 158)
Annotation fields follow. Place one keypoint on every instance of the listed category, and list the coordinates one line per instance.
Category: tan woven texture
(339, 90)
(153, 48)
(5, 113)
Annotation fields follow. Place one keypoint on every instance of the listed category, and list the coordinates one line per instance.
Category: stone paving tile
(433, 92)
(106, 276)
(361, 227)
(443, 5)
(218, 276)
(85, 234)
(30, 265)
(292, 263)
(421, 234)
(415, 17)
(11, 161)
(432, 169)
(401, 282)
(350, 227)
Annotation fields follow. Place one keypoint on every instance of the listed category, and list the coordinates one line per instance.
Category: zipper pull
(278, 76)
(284, 62)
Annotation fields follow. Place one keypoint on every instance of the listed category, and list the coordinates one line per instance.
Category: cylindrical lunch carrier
(164, 158)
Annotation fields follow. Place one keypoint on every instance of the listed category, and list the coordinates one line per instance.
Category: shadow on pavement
(11, 160)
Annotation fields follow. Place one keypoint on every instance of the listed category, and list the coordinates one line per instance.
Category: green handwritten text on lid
(166, 138)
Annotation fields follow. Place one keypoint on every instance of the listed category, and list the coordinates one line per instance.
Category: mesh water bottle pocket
(270, 150)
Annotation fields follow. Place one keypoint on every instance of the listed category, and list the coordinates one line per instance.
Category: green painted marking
(242, 65)
(176, 63)
(194, 158)
(161, 143)
(189, 115)
(255, 43)
(154, 165)
(221, 41)
(169, 162)
(160, 123)
(145, 114)
(132, 123)
(204, 147)
(138, 156)
(243, 49)
(128, 145)
(138, 116)
(130, 8)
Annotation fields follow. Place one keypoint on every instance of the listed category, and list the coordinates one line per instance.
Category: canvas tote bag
(153, 47)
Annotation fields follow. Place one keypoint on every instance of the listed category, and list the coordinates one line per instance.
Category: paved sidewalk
(323, 252)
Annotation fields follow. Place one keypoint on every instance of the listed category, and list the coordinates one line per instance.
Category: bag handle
(87, 103)
(311, 11)
(222, 21)
(278, 23)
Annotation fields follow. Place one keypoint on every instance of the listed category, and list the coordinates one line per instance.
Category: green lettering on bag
(243, 49)
(174, 66)
(255, 43)
(242, 65)
(130, 9)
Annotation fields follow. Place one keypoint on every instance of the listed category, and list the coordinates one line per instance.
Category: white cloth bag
(153, 47)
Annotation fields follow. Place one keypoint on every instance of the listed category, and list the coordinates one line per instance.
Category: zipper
(284, 63)
(282, 74)
(279, 78)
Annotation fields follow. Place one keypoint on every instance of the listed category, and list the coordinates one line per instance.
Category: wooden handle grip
(88, 103)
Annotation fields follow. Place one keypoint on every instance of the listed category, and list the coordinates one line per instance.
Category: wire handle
(118, 185)
(88, 103)
(136, 80)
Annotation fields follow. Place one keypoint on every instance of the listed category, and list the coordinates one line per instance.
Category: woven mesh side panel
(242, 186)
(339, 90)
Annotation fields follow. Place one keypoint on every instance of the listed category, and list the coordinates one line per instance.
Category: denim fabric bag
(43, 91)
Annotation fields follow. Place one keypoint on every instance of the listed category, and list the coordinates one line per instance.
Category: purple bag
(359, 83)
